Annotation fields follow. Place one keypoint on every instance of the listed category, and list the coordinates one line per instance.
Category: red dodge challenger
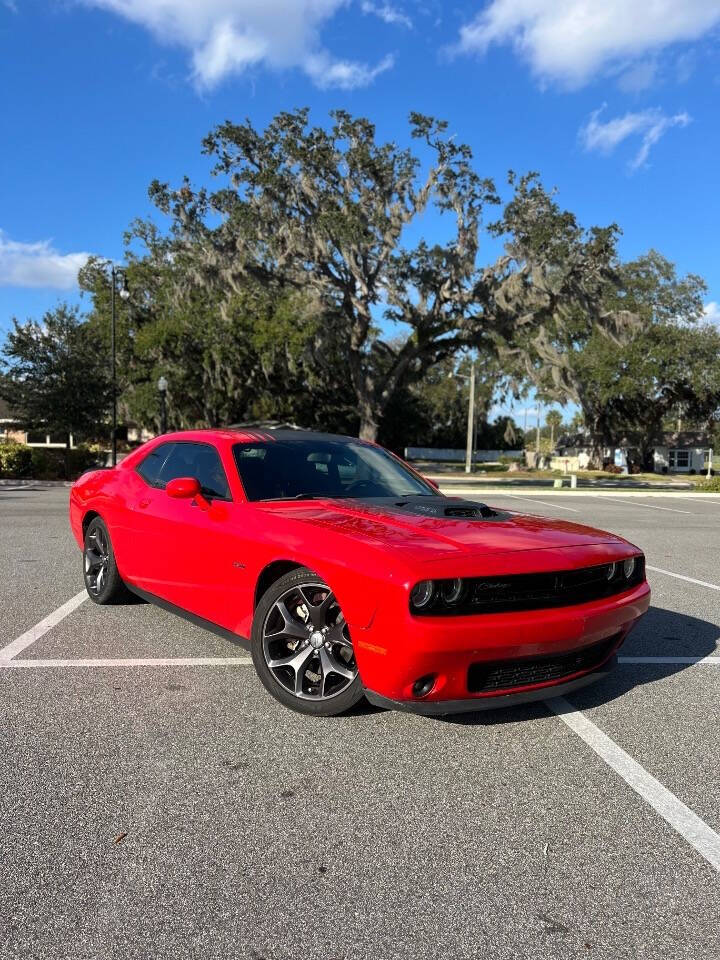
(352, 576)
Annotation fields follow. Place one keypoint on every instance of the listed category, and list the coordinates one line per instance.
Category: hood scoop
(437, 508)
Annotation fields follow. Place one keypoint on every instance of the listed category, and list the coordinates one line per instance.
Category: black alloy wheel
(302, 649)
(102, 579)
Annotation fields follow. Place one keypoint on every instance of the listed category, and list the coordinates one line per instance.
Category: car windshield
(303, 469)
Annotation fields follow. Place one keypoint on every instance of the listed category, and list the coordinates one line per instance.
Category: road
(172, 809)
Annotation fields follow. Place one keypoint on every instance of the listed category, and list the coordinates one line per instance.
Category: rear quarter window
(150, 467)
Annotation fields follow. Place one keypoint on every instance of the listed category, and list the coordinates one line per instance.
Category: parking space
(176, 810)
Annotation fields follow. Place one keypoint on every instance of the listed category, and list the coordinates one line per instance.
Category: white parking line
(681, 818)
(131, 662)
(651, 506)
(40, 629)
(680, 576)
(514, 496)
(709, 661)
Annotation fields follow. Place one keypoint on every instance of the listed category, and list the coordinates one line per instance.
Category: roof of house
(685, 438)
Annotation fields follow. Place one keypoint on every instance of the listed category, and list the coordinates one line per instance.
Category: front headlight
(421, 594)
(450, 590)
(629, 567)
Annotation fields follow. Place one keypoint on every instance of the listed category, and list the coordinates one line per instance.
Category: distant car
(353, 576)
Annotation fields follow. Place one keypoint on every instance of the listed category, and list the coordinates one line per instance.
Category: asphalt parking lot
(156, 802)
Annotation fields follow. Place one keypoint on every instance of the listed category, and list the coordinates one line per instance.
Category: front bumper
(439, 708)
(398, 649)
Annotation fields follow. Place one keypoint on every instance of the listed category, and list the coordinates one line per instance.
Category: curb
(34, 484)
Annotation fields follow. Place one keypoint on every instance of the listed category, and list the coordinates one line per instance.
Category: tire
(301, 647)
(102, 580)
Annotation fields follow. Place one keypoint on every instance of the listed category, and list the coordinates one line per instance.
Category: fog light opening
(424, 685)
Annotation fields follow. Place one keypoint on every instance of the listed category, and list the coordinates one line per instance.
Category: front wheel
(301, 647)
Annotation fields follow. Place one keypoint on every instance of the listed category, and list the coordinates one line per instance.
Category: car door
(187, 550)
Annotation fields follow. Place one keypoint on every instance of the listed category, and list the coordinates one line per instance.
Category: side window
(149, 469)
(199, 460)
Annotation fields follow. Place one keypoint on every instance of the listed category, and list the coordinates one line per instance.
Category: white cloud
(37, 265)
(571, 41)
(387, 13)
(711, 312)
(638, 77)
(229, 36)
(650, 125)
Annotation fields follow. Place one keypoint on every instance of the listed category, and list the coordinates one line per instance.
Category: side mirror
(182, 488)
(187, 488)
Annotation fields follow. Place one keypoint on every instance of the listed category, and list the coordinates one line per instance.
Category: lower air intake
(506, 674)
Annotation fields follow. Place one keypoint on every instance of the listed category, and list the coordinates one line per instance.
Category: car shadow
(661, 633)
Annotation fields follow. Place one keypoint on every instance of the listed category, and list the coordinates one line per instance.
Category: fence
(458, 456)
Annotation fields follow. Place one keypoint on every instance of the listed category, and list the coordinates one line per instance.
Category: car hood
(424, 531)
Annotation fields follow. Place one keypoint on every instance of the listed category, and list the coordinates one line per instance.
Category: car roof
(243, 434)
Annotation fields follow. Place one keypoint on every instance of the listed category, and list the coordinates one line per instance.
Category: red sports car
(353, 576)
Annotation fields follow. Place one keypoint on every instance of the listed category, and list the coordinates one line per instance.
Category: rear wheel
(302, 649)
(102, 580)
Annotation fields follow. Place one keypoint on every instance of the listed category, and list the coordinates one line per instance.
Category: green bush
(18, 461)
(50, 464)
(709, 486)
(45, 466)
(15, 460)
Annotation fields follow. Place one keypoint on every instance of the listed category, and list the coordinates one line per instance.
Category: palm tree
(554, 421)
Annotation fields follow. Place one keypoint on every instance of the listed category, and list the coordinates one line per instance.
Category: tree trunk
(368, 428)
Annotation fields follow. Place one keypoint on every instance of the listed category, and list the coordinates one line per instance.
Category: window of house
(679, 459)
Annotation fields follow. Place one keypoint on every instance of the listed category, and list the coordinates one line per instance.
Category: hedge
(19, 462)
(15, 460)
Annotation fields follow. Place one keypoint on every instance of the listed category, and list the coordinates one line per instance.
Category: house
(573, 453)
(11, 429)
(679, 452)
(687, 451)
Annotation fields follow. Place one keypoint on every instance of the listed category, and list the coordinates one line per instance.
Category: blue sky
(615, 103)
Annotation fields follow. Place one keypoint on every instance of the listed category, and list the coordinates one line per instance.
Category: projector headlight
(450, 590)
(421, 594)
(610, 572)
(629, 567)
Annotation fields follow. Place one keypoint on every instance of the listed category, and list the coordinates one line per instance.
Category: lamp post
(162, 386)
(116, 274)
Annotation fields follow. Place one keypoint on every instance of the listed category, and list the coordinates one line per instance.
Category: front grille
(537, 591)
(506, 674)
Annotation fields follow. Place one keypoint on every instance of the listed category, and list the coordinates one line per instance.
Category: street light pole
(162, 386)
(115, 274)
(113, 435)
(471, 418)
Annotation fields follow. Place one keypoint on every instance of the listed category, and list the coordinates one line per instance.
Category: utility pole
(471, 418)
(537, 435)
